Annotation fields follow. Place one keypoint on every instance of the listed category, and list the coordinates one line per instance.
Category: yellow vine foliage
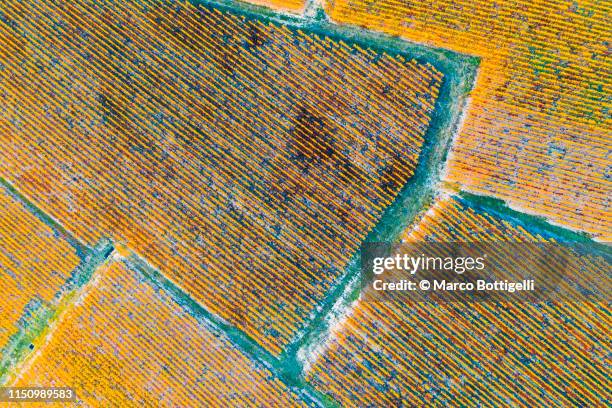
(34, 263)
(537, 132)
(245, 160)
(125, 343)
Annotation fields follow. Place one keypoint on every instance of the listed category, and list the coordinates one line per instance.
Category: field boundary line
(81, 248)
(236, 336)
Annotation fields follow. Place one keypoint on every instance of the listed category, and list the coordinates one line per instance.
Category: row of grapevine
(476, 353)
(126, 343)
(538, 126)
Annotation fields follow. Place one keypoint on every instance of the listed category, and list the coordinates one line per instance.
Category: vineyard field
(457, 353)
(126, 342)
(35, 262)
(153, 136)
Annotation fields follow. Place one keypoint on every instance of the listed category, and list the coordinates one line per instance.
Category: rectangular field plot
(466, 354)
(127, 343)
(244, 159)
(34, 264)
